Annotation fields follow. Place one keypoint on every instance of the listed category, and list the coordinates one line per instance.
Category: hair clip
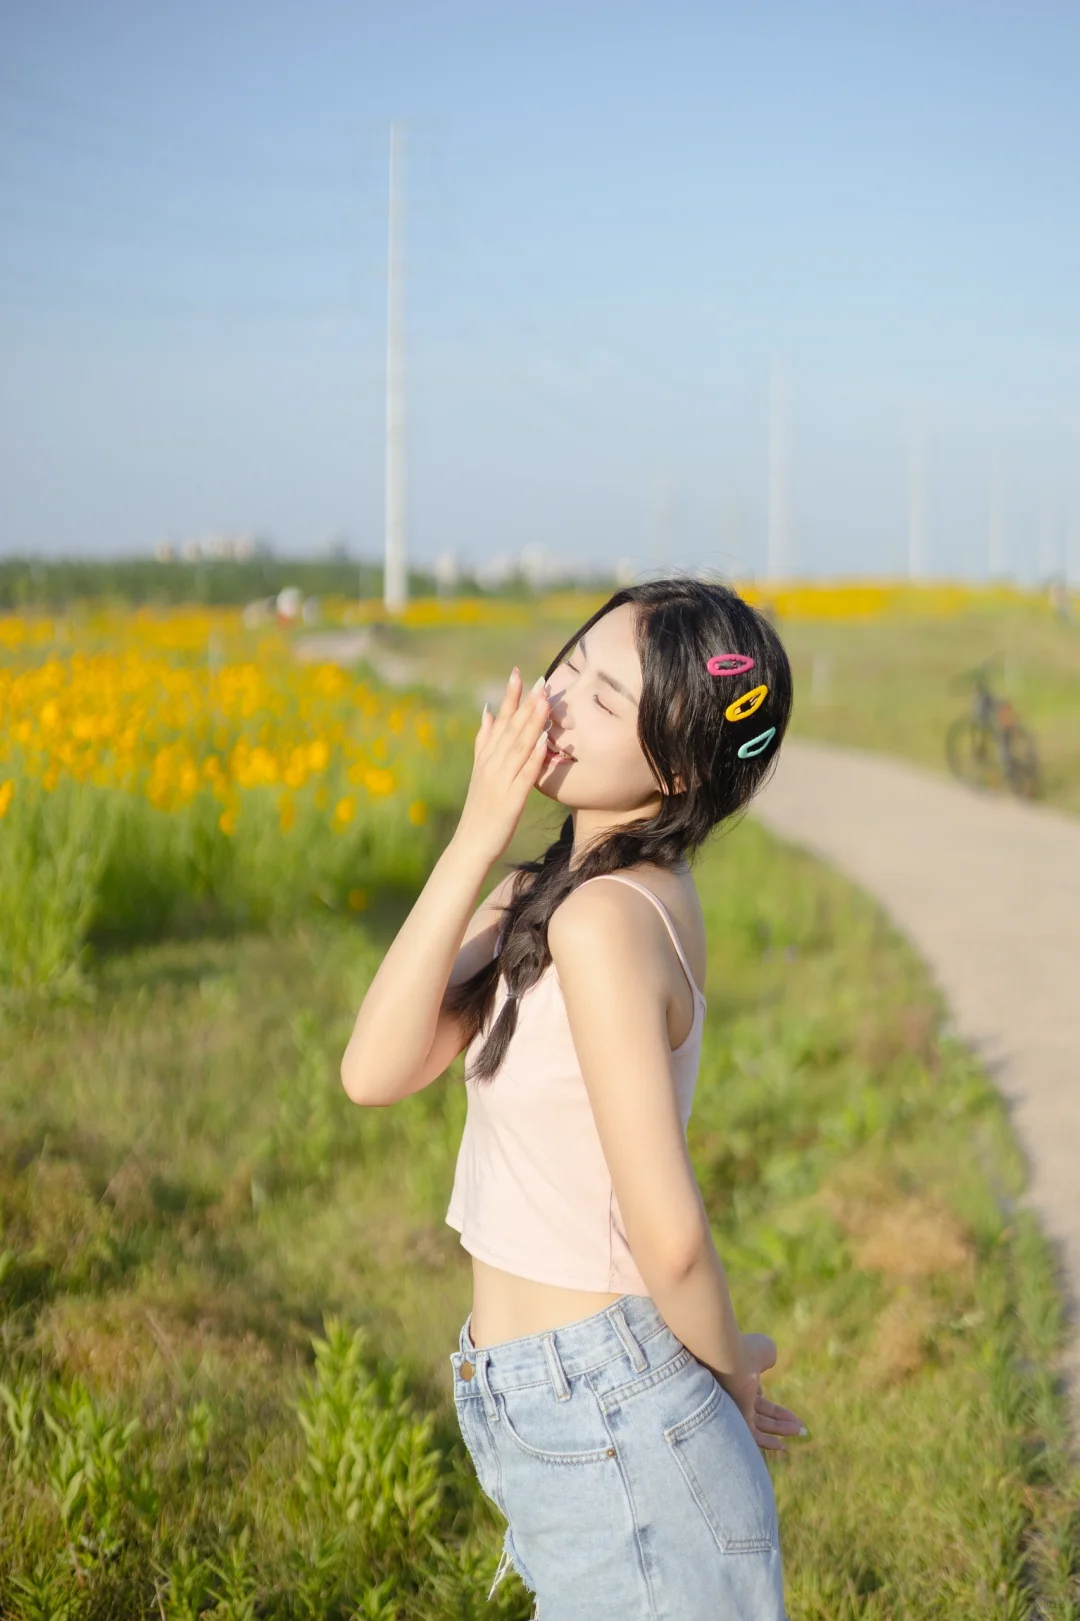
(745, 706)
(757, 745)
(729, 664)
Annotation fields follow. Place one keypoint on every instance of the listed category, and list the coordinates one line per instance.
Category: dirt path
(988, 889)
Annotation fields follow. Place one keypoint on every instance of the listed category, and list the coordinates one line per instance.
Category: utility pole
(917, 502)
(1047, 558)
(778, 564)
(395, 578)
(995, 539)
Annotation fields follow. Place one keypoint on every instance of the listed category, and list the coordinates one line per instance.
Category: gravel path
(988, 889)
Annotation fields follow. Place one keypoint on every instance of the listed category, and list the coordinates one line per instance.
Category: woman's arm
(610, 970)
(401, 1039)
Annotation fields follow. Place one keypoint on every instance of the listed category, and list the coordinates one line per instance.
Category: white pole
(1047, 548)
(917, 502)
(995, 539)
(778, 563)
(395, 578)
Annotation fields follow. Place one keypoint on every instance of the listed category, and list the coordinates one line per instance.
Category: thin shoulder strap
(621, 878)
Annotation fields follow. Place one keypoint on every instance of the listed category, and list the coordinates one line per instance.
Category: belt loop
(555, 1367)
(629, 1343)
(490, 1408)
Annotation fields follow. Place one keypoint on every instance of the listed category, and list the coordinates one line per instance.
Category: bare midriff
(506, 1307)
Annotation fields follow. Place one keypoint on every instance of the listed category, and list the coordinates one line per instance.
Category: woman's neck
(590, 826)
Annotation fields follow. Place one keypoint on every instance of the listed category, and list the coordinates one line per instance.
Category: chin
(550, 790)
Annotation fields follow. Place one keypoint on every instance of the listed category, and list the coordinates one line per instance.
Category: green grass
(188, 1202)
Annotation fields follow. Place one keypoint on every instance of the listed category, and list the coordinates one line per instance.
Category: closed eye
(604, 707)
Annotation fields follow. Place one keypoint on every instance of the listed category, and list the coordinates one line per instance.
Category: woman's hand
(508, 756)
(766, 1419)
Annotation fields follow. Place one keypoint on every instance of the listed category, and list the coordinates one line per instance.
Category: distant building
(222, 547)
(495, 571)
(446, 572)
(165, 552)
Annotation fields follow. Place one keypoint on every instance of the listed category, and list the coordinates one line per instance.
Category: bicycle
(989, 746)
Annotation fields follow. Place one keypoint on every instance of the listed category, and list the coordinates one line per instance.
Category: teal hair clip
(757, 745)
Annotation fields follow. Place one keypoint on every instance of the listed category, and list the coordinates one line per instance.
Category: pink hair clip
(729, 664)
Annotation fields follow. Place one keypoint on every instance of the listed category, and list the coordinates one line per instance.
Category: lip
(555, 753)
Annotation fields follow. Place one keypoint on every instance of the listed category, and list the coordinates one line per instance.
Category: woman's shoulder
(600, 909)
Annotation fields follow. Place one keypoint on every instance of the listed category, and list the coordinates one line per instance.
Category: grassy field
(227, 1296)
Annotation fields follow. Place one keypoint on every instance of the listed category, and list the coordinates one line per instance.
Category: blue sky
(621, 221)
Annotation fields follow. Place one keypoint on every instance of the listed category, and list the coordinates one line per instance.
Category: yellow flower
(7, 794)
(227, 820)
(379, 781)
(417, 812)
(344, 811)
(358, 899)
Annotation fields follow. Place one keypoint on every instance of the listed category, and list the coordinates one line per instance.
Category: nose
(556, 696)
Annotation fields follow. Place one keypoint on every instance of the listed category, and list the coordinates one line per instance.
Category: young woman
(611, 1406)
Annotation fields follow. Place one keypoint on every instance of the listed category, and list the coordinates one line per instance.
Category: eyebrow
(602, 675)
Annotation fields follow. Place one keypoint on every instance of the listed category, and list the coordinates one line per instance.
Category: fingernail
(515, 671)
(483, 712)
(538, 683)
(802, 1430)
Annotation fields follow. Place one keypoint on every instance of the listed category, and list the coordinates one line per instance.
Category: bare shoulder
(614, 918)
(595, 936)
(594, 910)
(605, 915)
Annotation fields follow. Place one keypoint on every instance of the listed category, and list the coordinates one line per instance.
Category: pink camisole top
(532, 1193)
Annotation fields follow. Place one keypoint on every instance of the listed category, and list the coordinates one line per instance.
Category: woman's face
(593, 700)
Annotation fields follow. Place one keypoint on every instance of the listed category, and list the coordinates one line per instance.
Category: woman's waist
(511, 1317)
(507, 1306)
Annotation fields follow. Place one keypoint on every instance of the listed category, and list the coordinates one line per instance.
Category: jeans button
(466, 1370)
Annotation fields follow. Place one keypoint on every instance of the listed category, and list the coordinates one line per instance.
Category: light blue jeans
(633, 1488)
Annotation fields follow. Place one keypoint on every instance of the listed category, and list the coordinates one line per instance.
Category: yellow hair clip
(745, 706)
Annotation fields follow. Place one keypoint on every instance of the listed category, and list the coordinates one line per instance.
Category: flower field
(156, 767)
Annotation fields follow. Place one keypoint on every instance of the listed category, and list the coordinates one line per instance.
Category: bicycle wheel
(1021, 762)
(971, 751)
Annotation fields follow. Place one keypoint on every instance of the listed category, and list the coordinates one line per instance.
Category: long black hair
(679, 624)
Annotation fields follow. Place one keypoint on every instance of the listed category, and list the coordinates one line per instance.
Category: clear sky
(621, 221)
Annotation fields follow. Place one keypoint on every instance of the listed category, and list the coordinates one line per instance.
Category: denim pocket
(723, 1467)
(557, 1432)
